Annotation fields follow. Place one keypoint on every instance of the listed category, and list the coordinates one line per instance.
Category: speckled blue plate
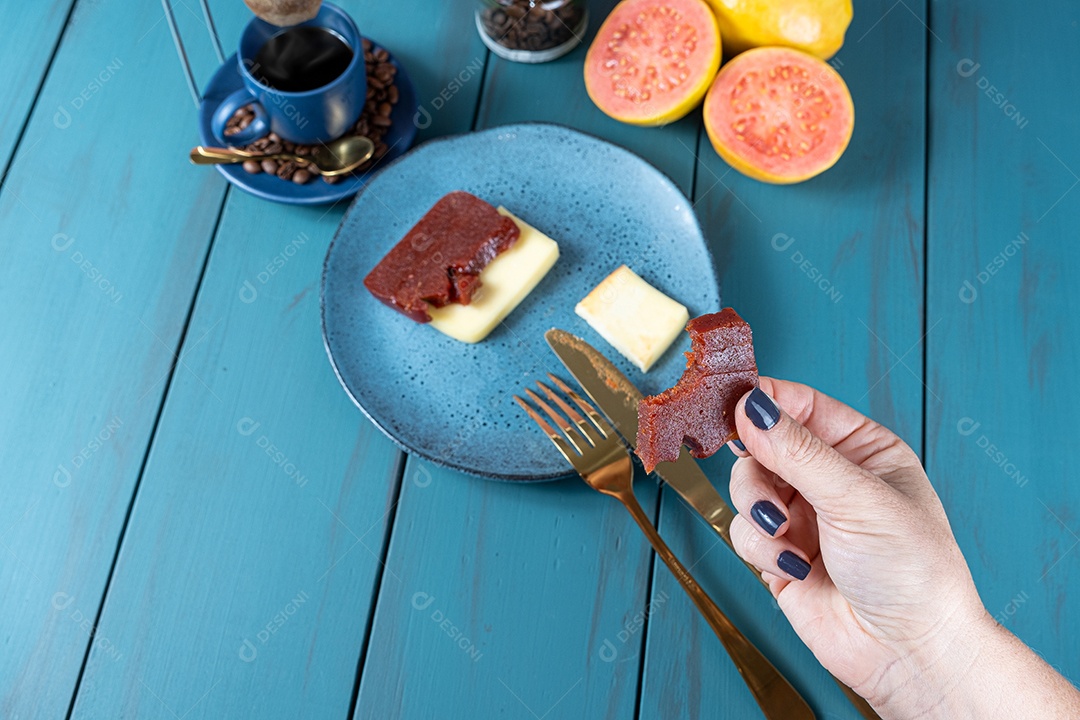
(450, 402)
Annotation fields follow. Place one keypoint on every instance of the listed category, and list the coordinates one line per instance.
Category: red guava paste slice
(700, 410)
(439, 260)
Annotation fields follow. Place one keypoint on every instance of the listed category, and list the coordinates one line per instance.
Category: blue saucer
(450, 402)
(316, 192)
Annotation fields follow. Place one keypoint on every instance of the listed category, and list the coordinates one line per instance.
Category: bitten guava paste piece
(700, 410)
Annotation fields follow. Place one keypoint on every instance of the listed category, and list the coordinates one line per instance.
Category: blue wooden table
(197, 523)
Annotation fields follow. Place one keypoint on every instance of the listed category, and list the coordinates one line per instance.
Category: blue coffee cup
(309, 117)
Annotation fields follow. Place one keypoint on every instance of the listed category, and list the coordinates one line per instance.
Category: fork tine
(551, 432)
(588, 409)
(576, 440)
(582, 424)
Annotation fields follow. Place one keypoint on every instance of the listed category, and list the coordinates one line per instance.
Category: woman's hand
(840, 517)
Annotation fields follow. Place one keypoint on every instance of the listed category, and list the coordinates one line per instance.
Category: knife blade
(618, 399)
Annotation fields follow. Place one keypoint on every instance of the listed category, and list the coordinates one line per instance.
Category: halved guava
(652, 60)
(779, 115)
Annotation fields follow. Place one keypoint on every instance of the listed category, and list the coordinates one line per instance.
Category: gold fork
(597, 453)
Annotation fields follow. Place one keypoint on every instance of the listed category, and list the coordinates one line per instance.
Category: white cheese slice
(634, 317)
(504, 283)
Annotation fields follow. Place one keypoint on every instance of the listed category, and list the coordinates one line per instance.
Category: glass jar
(531, 31)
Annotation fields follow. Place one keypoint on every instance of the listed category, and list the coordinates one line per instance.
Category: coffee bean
(273, 148)
(253, 166)
(286, 169)
(536, 30)
(273, 137)
(301, 176)
(381, 121)
(269, 167)
(392, 94)
(527, 25)
(569, 12)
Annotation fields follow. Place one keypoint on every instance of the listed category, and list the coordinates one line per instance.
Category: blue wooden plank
(255, 544)
(505, 600)
(830, 275)
(104, 233)
(508, 600)
(25, 64)
(1003, 209)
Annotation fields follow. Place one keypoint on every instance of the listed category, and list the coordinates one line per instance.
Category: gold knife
(618, 399)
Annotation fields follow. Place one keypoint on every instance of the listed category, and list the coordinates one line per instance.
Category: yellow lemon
(813, 26)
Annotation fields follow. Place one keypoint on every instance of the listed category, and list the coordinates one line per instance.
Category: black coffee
(301, 58)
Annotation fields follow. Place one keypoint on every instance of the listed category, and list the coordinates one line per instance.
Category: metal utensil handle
(775, 696)
(208, 20)
(217, 156)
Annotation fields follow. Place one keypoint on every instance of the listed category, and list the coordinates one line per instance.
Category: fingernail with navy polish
(793, 565)
(768, 516)
(738, 443)
(761, 410)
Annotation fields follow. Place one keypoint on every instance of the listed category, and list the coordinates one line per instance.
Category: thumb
(830, 482)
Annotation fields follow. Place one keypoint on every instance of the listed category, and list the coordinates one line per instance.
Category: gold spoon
(334, 158)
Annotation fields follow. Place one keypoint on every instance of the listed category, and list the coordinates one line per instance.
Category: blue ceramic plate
(450, 402)
(400, 138)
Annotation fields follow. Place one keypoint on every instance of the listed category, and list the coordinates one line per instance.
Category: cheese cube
(504, 283)
(637, 319)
